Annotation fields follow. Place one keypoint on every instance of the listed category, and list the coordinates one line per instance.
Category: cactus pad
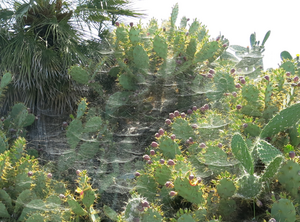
(283, 210)
(266, 152)
(162, 174)
(146, 186)
(151, 215)
(79, 74)
(285, 55)
(250, 93)
(207, 51)
(5, 80)
(226, 188)
(249, 186)
(182, 129)
(169, 147)
(174, 14)
(122, 34)
(194, 27)
(272, 168)
(140, 57)
(288, 66)
(134, 35)
(252, 130)
(160, 46)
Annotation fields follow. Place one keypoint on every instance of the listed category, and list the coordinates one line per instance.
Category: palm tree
(41, 39)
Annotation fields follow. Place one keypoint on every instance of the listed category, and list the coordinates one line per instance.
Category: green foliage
(283, 210)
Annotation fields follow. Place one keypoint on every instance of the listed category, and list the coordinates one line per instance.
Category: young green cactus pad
(208, 50)
(285, 55)
(162, 174)
(249, 186)
(266, 152)
(283, 120)
(174, 14)
(226, 188)
(152, 215)
(182, 129)
(140, 57)
(272, 168)
(160, 46)
(283, 210)
(241, 152)
(169, 147)
(134, 35)
(79, 74)
(5, 80)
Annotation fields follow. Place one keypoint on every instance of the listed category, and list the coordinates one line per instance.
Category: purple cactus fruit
(226, 94)
(298, 84)
(171, 115)
(182, 115)
(157, 135)
(145, 204)
(243, 81)
(234, 94)
(272, 220)
(204, 75)
(131, 24)
(65, 124)
(172, 193)
(202, 109)
(296, 79)
(171, 162)
(168, 121)
(202, 145)
(117, 24)
(259, 203)
(189, 111)
(245, 125)
(241, 77)
(2, 118)
(168, 184)
(187, 19)
(194, 126)
(161, 131)
(164, 29)
(194, 108)
(211, 71)
(191, 139)
(220, 145)
(184, 58)
(149, 162)
(187, 33)
(162, 161)
(191, 177)
(154, 144)
(176, 113)
(137, 174)
(210, 76)
(218, 38)
(199, 179)
(206, 106)
(267, 77)
(292, 154)
(148, 33)
(173, 136)
(30, 173)
(288, 74)
(232, 71)
(152, 152)
(224, 45)
(49, 175)
(293, 84)
(146, 157)
(238, 85)
(238, 107)
(78, 172)
(61, 196)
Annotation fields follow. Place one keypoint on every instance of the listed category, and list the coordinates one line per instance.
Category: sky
(237, 20)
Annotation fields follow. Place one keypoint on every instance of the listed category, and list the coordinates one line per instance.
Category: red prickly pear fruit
(294, 84)
(267, 77)
(157, 135)
(187, 19)
(245, 125)
(78, 172)
(61, 196)
(30, 173)
(202, 109)
(49, 175)
(194, 126)
(137, 174)
(206, 106)
(168, 121)
(172, 193)
(149, 162)
(220, 145)
(194, 108)
(199, 179)
(173, 137)
(292, 154)
(288, 74)
(154, 144)
(232, 71)
(176, 113)
(189, 111)
(184, 58)
(296, 79)
(168, 184)
(117, 24)
(234, 94)
(152, 152)
(161, 131)
(224, 45)
(191, 139)
(211, 71)
(210, 76)
(182, 115)
(171, 115)
(241, 77)
(191, 177)
(243, 81)
(146, 157)
(238, 85)
(202, 145)
(148, 33)
(164, 29)
(145, 204)
(162, 161)
(238, 107)
(131, 24)
(171, 162)
(218, 38)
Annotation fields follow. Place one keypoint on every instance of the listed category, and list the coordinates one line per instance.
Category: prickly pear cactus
(283, 210)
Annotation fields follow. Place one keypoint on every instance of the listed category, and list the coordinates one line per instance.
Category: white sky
(237, 19)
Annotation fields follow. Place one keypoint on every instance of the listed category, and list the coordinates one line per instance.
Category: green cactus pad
(35, 218)
(151, 215)
(3, 143)
(251, 110)
(160, 46)
(252, 130)
(294, 135)
(269, 112)
(162, 174)
(249, 186)
(202, 33)
(146, 186)
(283, 120)
(289, 177)
(134, 35)
(140, 57)
(250, 93)
(224, 82)
(194, 27)
(192, 194)
(128, 81)
(252, 39)
(5, 198)
(74, 133)
(266, 152)
(227, 208)
(88, 199)
(79, 74)
(5, 80)
(207, 51)
(110, 213)
(169, 147)
(122, 34)
(191, 48)
(266, 38)
(182, 129)
(82, 106)
(272, 168)
(241, 152)
(3, 211)
(115, 101)
(283, 210)
(174, 14)
(215, 156)
(76, 208)
(186, 218)
(200, 214)
(183, 22)
(93, 124)
(288, 66)
(285, 55)
(33, 206)
(226, 188)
